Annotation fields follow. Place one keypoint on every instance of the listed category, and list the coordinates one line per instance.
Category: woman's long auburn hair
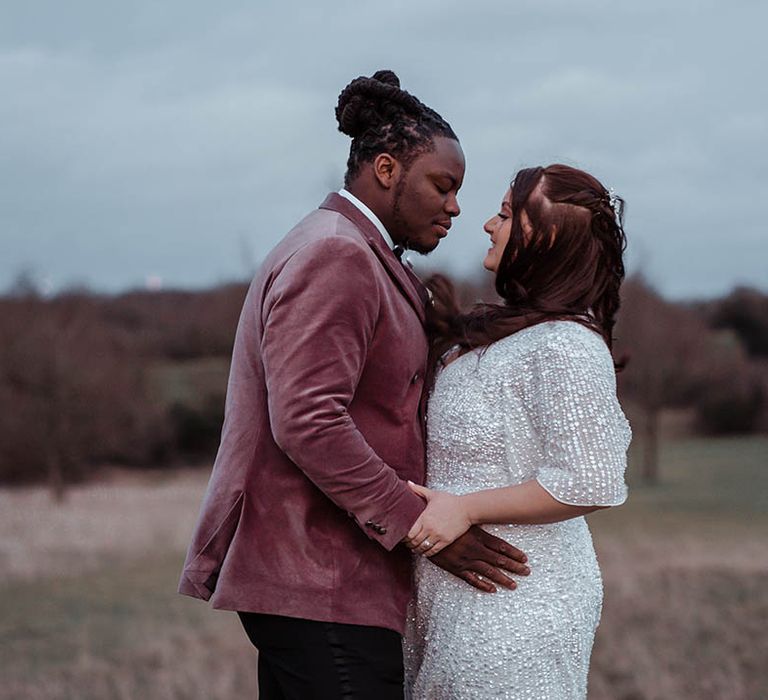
(568, 267)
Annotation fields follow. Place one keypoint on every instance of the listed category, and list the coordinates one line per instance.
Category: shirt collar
(369, 215)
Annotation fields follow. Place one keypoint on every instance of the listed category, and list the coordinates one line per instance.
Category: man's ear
(386, 170)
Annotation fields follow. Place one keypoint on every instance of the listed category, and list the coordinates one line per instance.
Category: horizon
(24, 286)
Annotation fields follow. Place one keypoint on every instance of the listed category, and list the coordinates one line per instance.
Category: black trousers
(309, 660)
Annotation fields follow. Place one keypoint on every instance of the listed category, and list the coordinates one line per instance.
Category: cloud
(165, 139)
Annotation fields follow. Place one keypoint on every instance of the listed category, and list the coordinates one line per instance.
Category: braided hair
(567, 267)
(382, 118)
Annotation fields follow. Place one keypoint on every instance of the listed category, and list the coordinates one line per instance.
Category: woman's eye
(502, 216)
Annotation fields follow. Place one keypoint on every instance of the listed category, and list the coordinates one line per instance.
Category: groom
(301, 527)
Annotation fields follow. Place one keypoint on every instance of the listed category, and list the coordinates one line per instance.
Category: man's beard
(399, 221)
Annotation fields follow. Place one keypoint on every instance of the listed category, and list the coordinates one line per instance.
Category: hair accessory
(613, 198)
(616, 205)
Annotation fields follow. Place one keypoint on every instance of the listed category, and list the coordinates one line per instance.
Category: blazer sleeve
(319, 317)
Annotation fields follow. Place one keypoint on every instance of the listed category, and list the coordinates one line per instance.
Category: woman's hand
(444, 519)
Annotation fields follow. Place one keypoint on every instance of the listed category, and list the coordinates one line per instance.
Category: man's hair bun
(370, 102)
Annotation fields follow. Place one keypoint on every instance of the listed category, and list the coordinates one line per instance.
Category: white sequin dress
(540, 404)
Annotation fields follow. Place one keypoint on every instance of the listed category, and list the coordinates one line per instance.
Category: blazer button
(381, 530)
(370, 524)
(416, 378)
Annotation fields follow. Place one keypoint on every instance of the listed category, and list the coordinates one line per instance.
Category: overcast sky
(178, 141)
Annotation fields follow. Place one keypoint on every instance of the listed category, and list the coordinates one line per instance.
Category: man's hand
(477, 553)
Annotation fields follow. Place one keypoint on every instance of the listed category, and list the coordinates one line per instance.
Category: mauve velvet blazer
(324, 422)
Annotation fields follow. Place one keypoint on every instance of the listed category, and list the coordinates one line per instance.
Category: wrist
(467, 505)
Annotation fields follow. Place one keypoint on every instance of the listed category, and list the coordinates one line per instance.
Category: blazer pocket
(203, 570)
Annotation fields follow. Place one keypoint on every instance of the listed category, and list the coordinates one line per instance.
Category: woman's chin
(489, 263)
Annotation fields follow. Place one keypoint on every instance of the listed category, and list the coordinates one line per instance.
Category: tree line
(138, 379)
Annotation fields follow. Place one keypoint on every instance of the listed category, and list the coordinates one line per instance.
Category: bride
(526, 437)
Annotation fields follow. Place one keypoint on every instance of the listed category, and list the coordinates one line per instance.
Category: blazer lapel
(421, 290)
(408, 283)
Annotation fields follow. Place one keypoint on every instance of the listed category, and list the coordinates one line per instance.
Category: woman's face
(498, 227)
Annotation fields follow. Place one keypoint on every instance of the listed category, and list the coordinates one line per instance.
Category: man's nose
(452, 207)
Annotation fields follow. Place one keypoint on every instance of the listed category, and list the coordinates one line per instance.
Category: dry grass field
(88, 608)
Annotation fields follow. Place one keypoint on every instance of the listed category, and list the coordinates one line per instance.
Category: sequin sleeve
(575, 410)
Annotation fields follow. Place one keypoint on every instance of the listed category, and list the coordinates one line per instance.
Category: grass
(88, 608)
(685, 565)
(715, 474)
(120, 632)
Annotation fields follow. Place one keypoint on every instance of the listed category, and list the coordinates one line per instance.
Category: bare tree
(70, 395)
(664, 344)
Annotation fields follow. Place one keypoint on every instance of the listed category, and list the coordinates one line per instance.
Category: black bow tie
(398, 250)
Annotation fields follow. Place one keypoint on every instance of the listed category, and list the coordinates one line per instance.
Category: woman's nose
(490, 226)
